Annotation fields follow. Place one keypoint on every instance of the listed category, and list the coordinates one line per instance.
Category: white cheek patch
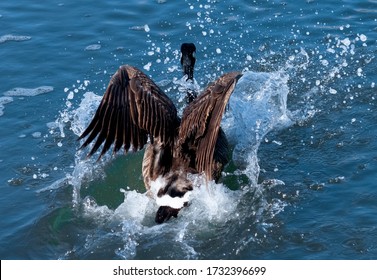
(167, 200)
(173, 202)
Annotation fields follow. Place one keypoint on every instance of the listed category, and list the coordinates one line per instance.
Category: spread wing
(132, 108)
(201, 119)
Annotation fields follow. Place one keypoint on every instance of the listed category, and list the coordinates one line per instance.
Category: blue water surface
(302, 124)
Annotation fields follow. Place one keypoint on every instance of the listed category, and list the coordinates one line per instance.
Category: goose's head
(188, 51)
(173, 196)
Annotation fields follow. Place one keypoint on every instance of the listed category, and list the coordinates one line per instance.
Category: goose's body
(134, 109)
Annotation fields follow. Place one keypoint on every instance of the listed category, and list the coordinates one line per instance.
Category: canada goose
(134, 109)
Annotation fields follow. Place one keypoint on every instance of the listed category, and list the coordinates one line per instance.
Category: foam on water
(93, 47)
(28, 91)
(11, 37)
(3, 101)
(21, 92)
(132, 221)
(214, 202)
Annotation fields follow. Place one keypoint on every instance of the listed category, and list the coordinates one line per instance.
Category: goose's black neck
(188, 51)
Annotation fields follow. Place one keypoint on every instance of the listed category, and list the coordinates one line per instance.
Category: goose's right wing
(132, 108)
(201, 119)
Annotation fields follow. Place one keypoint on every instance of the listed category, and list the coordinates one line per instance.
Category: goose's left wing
(201, 119)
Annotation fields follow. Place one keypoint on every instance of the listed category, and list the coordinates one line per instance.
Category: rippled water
(301, 122)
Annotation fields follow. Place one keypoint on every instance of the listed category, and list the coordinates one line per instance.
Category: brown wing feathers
(201, 121)
(132, 108)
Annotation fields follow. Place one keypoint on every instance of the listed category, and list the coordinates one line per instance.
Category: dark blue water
(302, 123)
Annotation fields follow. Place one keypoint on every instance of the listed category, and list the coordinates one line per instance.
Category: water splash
(182, 86)
(257, 106)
